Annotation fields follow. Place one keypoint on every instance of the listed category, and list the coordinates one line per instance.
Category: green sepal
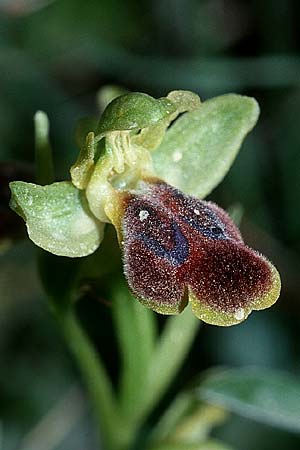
(57, 218)
(134, 111)
(199, 148)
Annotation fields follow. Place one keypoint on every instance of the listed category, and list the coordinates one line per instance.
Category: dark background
(55, 56)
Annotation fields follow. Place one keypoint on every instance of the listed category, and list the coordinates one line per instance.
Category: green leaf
(197, 425)
(57, 218)
(134, 111)
(188, 420)
(263, 395)
(180, 407)
(211, 444)
(201, 145)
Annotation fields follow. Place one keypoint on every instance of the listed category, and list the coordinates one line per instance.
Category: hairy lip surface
(176, 244)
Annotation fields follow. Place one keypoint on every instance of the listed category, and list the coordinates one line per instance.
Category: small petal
(178, 248)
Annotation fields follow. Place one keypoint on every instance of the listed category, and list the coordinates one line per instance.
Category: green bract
(57, 218)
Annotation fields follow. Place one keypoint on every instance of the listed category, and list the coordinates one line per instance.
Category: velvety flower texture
(177, 248)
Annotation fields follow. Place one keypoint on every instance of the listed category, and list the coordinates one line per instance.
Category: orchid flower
(145, 170)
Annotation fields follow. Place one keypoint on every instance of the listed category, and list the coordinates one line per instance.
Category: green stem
(149, 364)
(136, 332)
(171, 350)
(158, 359)
(96, 379)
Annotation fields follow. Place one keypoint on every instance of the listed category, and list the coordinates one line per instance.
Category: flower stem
(171, 350)
(96, 379)
(136, 332)
(150, 364)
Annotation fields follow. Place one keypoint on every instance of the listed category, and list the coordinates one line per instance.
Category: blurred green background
(55, 55)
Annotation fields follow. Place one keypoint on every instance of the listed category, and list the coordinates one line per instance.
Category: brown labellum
(177, 248)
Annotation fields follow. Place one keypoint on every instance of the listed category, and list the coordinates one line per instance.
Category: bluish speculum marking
(199, 217)
(210, 227)
(177, 255)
